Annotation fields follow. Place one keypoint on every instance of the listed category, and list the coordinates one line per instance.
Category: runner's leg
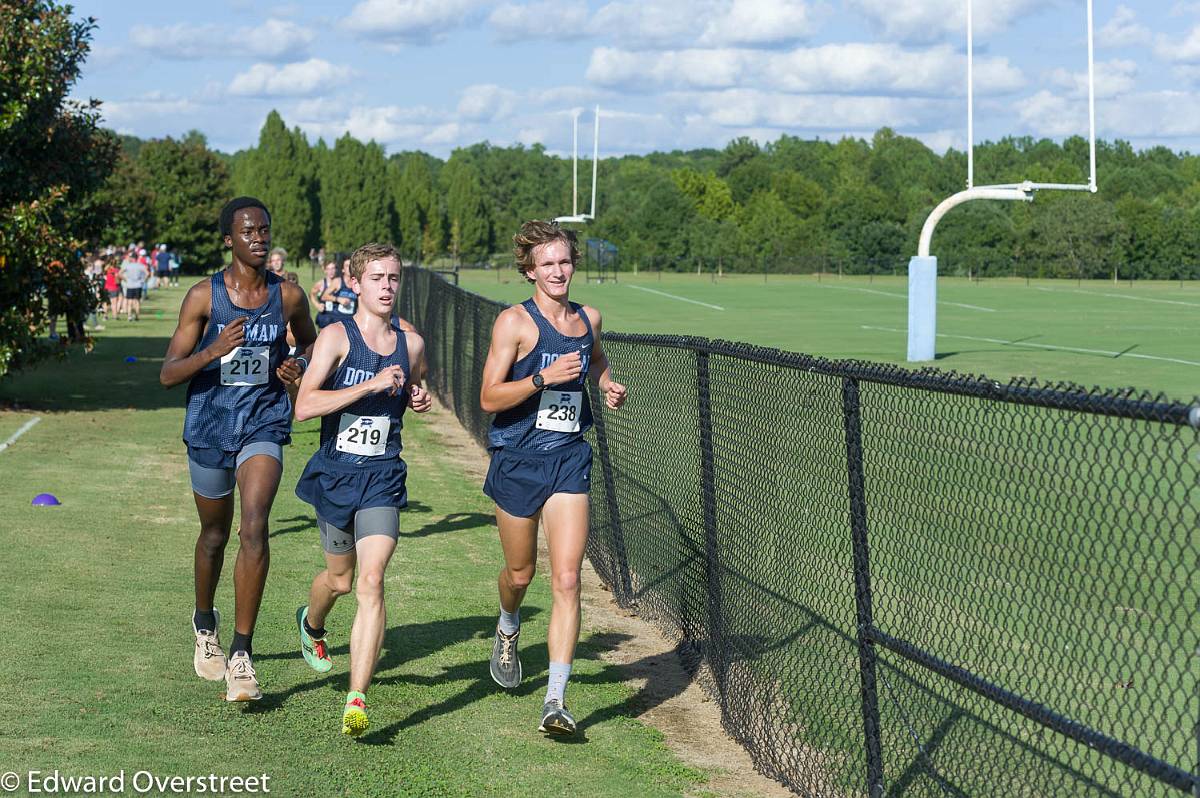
(258, 481)
(366, 638)
(566, 519)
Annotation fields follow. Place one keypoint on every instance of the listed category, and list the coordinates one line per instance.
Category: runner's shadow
(401, 644)
(299, 523)
(452, 523)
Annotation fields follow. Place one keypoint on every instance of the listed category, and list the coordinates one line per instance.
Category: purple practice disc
(46, 500)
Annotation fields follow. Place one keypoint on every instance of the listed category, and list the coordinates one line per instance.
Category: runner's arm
(331, 349)
(496, 394)
(599, 370)
(301, 324)
(182, 361)
(419, 398)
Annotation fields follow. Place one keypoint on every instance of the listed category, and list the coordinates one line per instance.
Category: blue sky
(437, 74)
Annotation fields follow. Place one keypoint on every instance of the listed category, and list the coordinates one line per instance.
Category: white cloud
(1156, 115)
(122, 114)
(302, 79)
(1123, 30)
(539, 20)
(1113, 78)
(650, 70)
(1153, 115)
(751, 107)
(1050, 114)
(664, 23)
(410, 21)
(749, 22)
(831, 68)
(1185, 50)
(276, 40)
(931, 20)
(486, 102)
(654, 22)
(1187, 74)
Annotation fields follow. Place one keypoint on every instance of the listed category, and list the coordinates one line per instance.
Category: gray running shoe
(506, 665)
(556, 719)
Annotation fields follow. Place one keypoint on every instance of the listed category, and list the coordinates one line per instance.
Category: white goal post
(922, 269)
(576, 216)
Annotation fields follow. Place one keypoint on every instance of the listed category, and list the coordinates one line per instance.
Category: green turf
(866, 318)
(1050, 552)
(97, 596)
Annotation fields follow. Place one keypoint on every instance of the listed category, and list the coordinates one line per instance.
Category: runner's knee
(252, 535)
(370, 585)
(339, 584)
(253, 523)
(213, 538)
(565, 582)
(520, 578)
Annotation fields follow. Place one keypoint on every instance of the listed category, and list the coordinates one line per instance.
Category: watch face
(538, 381)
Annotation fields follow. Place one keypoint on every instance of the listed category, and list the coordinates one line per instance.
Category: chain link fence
(895, 582)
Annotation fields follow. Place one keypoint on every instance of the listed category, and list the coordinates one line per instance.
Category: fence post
(624, 589)
(708, 497)
(862, 587)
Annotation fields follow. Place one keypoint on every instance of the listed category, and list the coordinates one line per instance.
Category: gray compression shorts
(217, 483)
(368, 521)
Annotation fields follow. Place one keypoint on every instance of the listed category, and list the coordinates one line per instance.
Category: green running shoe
(315, 652)
(354, 716)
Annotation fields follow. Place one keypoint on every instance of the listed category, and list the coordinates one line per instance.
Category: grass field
(1093, 333)
(97, 596)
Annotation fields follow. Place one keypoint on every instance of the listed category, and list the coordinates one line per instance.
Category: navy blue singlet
(223, 418)
(361, 364)
(348, 292)
(516, 427)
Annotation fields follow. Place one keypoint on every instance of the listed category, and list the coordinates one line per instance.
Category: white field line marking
(672, 296)
(905, 296)
(28, 425)
(1119, 296)
(1049, 346)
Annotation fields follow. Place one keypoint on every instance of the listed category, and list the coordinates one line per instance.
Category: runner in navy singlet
(230, 346)
(541, 354)
(322, 295)
(365, 372)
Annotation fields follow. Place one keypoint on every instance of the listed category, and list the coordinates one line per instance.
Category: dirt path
(667, 697)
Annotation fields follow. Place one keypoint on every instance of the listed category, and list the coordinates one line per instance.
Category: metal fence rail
(895, 582)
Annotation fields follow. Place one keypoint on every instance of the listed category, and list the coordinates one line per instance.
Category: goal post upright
(576, 217)
(922, 269)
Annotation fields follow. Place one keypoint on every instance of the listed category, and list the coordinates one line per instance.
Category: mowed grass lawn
(97, 596)
(1091, 333)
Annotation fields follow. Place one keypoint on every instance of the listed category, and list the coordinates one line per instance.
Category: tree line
(793, 204)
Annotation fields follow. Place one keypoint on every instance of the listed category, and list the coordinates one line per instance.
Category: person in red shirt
(112, 290)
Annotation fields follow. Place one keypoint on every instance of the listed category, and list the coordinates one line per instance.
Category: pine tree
(466, 209)
(414, 200)
(356, 206)
(279, 172)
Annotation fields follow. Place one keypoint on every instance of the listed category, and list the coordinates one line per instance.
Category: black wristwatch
(539, 382)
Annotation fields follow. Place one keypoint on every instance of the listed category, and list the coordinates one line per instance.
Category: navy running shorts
(339, 490)
(214, 476)
(520, 481)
